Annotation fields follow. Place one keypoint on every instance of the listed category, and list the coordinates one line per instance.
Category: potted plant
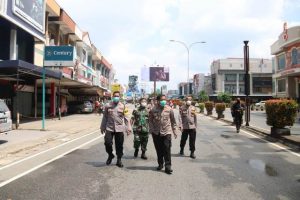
(209, 107)
(201, 107)
(220, 108)
(281, 113)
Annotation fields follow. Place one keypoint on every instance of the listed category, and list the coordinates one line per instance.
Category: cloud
(135, 33)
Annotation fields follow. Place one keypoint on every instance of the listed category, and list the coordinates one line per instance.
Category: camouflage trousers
(140, 140)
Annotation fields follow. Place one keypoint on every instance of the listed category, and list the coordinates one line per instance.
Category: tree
(203, 96)
(224, 97)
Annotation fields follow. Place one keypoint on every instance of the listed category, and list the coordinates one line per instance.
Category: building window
(241, 89)
(230, 88)
(281, 62)
(230, 77)
(281, 85)
(241, 77)
(262, 85)
(294, 56)
(273, 86)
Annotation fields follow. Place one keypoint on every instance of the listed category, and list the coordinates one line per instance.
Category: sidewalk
(258, 124)
(29, 139)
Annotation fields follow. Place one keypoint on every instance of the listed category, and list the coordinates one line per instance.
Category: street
(228, 166)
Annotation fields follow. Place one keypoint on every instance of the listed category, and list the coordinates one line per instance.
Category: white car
(260, 105)
(5, 117)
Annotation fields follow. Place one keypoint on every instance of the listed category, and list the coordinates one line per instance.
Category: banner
(115, 88)
(159, 74)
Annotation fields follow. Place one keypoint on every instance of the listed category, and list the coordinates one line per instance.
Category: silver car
(5, 117)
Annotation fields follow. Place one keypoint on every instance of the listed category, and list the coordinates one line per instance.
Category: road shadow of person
(97, 164)
(142, 168)
(3, 141)
(177, 155)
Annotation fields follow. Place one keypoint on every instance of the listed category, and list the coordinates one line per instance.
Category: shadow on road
(3, 141)
(143, 168)
(177, 155)
(97, 164)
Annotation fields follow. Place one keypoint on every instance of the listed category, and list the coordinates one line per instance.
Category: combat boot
(143, 156)
(160, 166)
(192, 155)
(181, 151)
(109, 159)
(136, 152)
(168, 170)
(119, 163)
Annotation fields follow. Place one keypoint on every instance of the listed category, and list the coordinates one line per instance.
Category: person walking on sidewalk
(115, 123)
(140, 124)
(188, 125)
(237, 111)
(162, 124)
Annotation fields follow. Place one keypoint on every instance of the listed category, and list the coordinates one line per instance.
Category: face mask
(163, 103)
(143, 104)
(116, 99)
(188, 103)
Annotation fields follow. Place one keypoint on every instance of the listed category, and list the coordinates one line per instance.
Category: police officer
(140, 123)
(188, 125)
(114, 123)
(162, 124)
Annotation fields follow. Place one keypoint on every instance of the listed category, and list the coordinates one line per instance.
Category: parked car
(260, 105)
(5, 117)
(80, 107)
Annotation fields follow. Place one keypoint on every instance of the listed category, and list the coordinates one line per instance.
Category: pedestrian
(114, 124)
(237, 112)
(162, 124)
(140, 124)
(188, 125)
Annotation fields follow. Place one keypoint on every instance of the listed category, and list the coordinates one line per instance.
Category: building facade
(25, 37)
(201, 82)
(228, 75)
(286, 64)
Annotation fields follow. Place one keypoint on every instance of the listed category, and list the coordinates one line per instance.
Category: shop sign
(59, 56)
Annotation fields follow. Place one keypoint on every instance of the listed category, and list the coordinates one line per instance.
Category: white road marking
(27, 158)
(269, 143)
(47, 162)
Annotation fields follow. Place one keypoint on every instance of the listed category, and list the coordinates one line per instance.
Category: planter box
(280, 131)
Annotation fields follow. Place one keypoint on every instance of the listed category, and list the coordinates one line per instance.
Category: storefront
(286, 64)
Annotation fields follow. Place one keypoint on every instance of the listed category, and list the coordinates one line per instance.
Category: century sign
(59, 56)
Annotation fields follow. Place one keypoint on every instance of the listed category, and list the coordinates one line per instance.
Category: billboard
(159, 74)
(31, 11)
(133, 83)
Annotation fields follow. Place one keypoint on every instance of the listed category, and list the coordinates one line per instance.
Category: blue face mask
(163, 103)
(116, 99)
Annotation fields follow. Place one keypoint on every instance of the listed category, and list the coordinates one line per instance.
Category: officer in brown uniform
(115, 123)
(162, 124)
(188, 125)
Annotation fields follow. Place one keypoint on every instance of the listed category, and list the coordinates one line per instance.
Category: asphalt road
(228, 166)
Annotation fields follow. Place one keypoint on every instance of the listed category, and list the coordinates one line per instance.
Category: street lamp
(188, 47)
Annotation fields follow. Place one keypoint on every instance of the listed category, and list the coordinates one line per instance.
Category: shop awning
(11, 68)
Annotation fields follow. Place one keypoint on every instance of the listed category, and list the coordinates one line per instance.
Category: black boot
(109, 159)
(181, 151)
(136, 152)
(160, 166)
(168, 170)
(119, 163)
(143, 156)
(192, 155)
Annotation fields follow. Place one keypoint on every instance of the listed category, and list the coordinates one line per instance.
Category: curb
(288, 142)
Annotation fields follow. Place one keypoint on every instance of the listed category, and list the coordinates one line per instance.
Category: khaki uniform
(188, 125)
(115, 122)
(162, 124)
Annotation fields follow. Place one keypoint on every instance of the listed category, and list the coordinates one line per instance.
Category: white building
(227, 75)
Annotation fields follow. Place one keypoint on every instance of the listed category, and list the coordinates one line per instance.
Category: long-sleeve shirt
(187, 117)
(162, 121)
(115, 118)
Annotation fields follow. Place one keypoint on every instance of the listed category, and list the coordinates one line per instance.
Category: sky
(136, 33)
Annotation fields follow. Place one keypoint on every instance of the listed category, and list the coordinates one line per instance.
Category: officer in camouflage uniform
(140, 124)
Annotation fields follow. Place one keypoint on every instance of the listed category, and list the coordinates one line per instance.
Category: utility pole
(247, 81)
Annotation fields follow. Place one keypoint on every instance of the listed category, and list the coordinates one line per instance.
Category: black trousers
(119, 141)
(163, 149)
(191, 133)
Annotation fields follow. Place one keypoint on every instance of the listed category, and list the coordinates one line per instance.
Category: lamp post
(247, 83)
(188, 47)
